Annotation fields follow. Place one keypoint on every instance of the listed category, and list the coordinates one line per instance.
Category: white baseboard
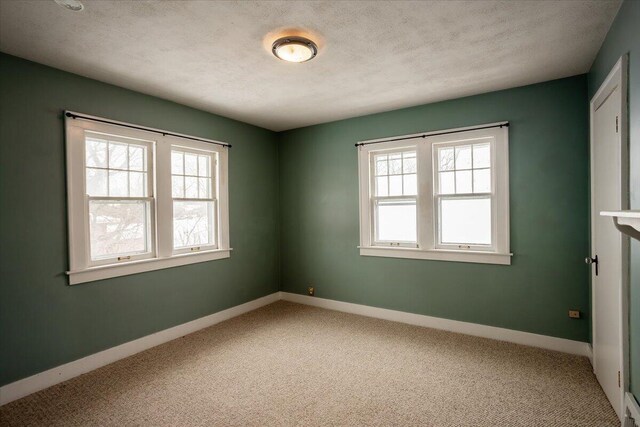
(632, 411)
(500, 334)
(37, 382)
(42, 380)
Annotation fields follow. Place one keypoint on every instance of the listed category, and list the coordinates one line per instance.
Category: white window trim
(427, 248)
(163, 255)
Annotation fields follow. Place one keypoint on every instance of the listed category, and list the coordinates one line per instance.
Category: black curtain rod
(78, 116)
(425, 135)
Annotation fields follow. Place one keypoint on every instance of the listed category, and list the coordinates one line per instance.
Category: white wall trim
(51, 377)
(632, 410)
(42, 380)
(437, 255)
(134, 267)
(484, 331)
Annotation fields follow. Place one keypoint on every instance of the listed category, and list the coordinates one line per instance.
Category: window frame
(150, 198)
(213, 198)
(401, 198)
(428, 246)
(81, 268)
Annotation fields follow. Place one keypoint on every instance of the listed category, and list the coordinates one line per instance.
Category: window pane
(463, 157)
(445, 161)
(137, 184)
(463, 182)
(395, 185)
(203, 166)
(177, 165)
(410, 185)
(177, 186)
(190, 164)
(118, 183)
(447, 183)
(118, 228)
(204, 185)
(481, 156)
(395, 164)
(482, 181)
(396, 221)
(136, 158)
(465, 221)
(96, 153)
(190, 187)
(381, 167)
(382, 186)
(97, 182)
(192, 224)
(409, 165)
(118, 155)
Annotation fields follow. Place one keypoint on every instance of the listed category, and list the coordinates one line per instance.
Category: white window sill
(437, 255)
(133, 267)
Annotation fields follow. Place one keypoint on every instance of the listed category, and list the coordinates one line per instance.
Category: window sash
(439, 244)
(150, 235)
(109, 137)
(375, 203)
(213, 231)
(213, 172)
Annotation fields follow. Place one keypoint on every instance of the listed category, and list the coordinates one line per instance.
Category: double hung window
(442, 195)
(194, 203)
(142, 200)
(395, 197)
(119, 198)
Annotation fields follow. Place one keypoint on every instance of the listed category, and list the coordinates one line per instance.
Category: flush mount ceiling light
(294, 49)
(74, 5)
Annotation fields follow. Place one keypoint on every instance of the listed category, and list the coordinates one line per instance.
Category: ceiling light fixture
(74, 5)
(294, 49)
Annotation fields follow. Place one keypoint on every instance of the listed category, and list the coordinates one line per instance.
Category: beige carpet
(288, 364)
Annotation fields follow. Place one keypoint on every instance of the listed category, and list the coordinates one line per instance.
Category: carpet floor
(289, 364)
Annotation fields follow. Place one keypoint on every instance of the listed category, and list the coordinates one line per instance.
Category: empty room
(320, 213)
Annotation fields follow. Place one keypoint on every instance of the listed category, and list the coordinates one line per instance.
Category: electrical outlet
(575, 314)
(311, 291)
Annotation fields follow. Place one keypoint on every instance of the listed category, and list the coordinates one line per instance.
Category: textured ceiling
(374, 56)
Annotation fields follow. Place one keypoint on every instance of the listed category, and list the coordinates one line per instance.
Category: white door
(607, 193)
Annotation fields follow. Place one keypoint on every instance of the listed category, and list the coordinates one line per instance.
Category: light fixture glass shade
(294, 49)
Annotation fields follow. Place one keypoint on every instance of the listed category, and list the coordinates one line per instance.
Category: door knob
(589, 260)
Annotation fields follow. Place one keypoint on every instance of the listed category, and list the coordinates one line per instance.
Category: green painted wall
(549, 215)
(624, 37)
(43, 321)
(312, 173)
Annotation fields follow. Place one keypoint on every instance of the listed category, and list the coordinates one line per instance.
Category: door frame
(617, 77)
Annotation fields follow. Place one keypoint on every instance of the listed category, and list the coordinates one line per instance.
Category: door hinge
(619, 379)
(616, 124)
